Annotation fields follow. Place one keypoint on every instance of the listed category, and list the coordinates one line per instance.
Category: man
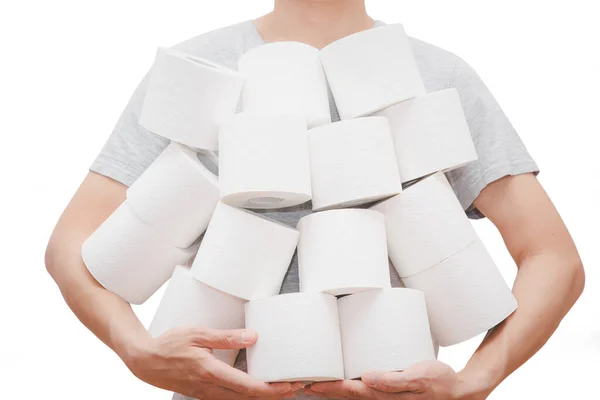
(501, 186)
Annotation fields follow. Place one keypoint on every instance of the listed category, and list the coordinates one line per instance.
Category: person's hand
(428, 380)
(181, 361)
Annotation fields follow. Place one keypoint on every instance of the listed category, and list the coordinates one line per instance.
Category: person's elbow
(577, 274)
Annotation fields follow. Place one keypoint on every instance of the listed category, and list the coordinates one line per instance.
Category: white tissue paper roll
(352, 163)
(187, 97)
(342, 252)
(370, 70)
(466, 295)
(285, 77)
(430, 134)
(176, 195)
(263, 161)
(129, 258)
(385, 329)
(244, 254)
(298, 338)
(425, 224)
(189, 302)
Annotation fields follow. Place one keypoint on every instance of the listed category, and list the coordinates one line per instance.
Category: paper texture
(342, 252)
(263, 161)
(189, 302)
(176, 195)
(385, 329)
(285, 77)
(298, 338)
(128, 258)
(465, 294)
(244, 254)
(425, 224)
(352, 163)
(187, 97)
(371, 70)
(430, 134)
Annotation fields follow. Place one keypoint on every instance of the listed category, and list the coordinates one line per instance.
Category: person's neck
(314, 22)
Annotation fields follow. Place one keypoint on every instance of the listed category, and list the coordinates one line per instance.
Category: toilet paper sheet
(129, 258)
(425, 224)
(342, 252)
(189, 302)
(298, 338)
(371, 70)
(430, 134)
(285, 77)
(263, 161)
(244, 254)
(465, 294)
(176, 195)
(352, 163)
(385, 329)
(187, 97)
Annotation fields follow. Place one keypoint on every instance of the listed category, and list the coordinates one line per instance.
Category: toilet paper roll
(385, 329)
(430, 134)
(352, 163)
(425, 224)
(129, 258)
(187, 97)
(263, 161)
(298, 338)
(285, 77)
(189, 302)
(176, 195)
(342, 251)
(465, 294)
(244, 254)
(371, 70)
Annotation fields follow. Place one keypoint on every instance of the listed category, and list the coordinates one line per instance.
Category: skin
(549, 280)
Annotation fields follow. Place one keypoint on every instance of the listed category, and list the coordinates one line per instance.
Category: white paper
(189, 302)
(298, 338)
(352, 163)
(176, 195)
(284, 77)
(244, 254)
(425, 224)
(370, 70)
(465, 294)
(342, 252)
(430, 134)
(129, 258)
(385, 329)
(263, 161)
(187, 97)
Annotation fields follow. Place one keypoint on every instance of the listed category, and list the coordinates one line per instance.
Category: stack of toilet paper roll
(389, 152)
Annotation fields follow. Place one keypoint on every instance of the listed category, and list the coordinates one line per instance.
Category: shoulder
(224, 45)
(436, 65)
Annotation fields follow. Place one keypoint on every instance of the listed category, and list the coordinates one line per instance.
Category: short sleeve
(500, 150)
(130, 148)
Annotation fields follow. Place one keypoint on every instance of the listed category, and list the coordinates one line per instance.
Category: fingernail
(370, 379)
(247, 337)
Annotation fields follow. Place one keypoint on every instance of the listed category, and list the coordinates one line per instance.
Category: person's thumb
(223, 339)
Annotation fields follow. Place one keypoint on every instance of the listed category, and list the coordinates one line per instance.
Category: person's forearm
(109, 317)
(546, 287)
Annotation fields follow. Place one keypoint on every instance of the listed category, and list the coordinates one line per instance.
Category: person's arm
(549, 281)
(180, 360)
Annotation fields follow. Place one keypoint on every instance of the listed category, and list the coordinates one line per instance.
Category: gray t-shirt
(130, 148)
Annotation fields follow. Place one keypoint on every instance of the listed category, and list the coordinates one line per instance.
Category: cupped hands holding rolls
(181, 360)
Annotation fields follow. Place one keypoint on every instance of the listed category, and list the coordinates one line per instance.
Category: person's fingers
(343, 389)
(393, 382)
(228, 377)
(222, 339)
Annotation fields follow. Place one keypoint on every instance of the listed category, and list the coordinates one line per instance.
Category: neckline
(260, 40)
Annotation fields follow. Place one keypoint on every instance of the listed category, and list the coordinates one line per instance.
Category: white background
(69, 67)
